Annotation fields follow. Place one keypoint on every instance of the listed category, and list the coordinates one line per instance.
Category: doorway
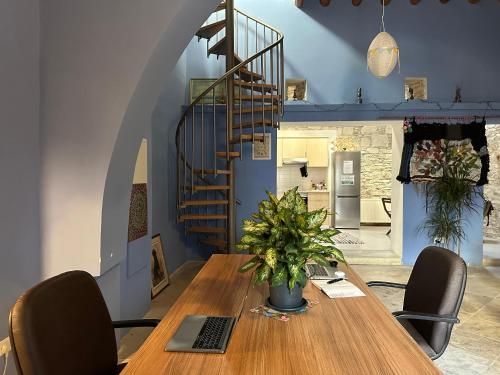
(376, 239)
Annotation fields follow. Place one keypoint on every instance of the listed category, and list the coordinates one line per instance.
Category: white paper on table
(340, 289)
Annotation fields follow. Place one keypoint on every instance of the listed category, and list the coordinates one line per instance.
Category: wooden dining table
(348, 336)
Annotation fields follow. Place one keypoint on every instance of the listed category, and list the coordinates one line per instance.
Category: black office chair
(386, 202)
(432, 298)
(62, 326)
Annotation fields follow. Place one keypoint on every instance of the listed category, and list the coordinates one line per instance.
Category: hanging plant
(451, 197)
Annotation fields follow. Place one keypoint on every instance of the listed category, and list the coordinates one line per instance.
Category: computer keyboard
(316, 270)
(211, 334)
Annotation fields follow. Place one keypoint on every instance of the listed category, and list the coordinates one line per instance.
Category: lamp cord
(383, 14)
(6, 363)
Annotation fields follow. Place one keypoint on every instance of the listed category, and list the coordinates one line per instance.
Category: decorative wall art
(262, 150)
(431, 147)
(198, 85)
(296, 89)
(159, 273)
(415, 88)
(138, 212)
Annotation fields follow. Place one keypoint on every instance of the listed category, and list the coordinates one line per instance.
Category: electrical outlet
(4, 346)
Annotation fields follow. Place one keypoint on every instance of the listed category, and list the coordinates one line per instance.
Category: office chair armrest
(386, 283)
(136, 323)
(424, 316)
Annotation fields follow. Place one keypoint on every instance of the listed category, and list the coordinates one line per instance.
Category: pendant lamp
(383, 53)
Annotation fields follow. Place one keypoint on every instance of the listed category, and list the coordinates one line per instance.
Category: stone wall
(375, 144)
(492, 190)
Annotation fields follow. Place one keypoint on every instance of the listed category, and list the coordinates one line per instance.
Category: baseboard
(375, 224)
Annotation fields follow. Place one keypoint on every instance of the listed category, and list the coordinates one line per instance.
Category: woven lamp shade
(383, 55)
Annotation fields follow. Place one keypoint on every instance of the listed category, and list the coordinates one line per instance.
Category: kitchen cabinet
(294, 148)
(279, 152)
(317, 152)
(317, 200)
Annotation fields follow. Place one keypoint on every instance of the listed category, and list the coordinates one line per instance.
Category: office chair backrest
(436, 286)
(62, 326)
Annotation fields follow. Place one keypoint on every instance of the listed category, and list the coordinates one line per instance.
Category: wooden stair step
(206, 187)
(247, 75)
(221, 6)
(260, 87)
(257, 98)
(255, 109)
(204, 202)
(218, 48)
(248, 138)
(206, 230)
(224, 154)
(257, 123)
(203, 217)
(221, 244)
(208, 31)
(211, 171)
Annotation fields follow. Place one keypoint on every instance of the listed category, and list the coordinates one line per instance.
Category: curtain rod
(437, 117)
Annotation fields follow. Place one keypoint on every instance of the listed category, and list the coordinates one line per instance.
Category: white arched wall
(104, 63)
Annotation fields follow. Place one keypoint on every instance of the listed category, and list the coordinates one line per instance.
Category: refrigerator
(347, 194)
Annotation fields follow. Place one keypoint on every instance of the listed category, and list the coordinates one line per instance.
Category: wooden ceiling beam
(356, 3)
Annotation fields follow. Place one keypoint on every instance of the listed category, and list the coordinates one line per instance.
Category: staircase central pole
(230, 61)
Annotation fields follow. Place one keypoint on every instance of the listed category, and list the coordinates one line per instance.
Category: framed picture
(197, 86)
(415, 88)
(138, 212)
(296, 89)
(159, 274)
(262, 150)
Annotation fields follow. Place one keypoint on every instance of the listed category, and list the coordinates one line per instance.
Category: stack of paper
(340, 289)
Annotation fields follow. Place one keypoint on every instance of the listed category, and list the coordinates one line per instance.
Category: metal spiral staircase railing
(238, 108)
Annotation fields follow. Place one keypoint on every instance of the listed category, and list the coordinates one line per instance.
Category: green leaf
(291, 282)
(316, 218)
(250, 264)
(280, 275)
(262, 274)
(271, 257)
(302, 279)
(320, 259)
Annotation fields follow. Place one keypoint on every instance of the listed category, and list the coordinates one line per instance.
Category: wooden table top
(338, 336)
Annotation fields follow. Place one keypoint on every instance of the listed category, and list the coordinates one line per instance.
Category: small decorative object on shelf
(415, 88)
(360, 96)
(283, 236)
(458, 95)
(296, 89)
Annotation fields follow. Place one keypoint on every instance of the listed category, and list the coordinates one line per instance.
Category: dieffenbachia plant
(283, 235)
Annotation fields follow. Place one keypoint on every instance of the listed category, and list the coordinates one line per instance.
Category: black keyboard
(316, 270)
(212, 333)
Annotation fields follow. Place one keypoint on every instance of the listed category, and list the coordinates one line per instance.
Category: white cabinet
(317, 152)
(294, 148)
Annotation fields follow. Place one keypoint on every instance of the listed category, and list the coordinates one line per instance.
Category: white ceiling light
(383, 53)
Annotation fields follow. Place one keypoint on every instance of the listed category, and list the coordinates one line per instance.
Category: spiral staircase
(239, 108)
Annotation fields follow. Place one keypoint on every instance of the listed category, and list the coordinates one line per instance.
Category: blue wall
(414, 240)
(453, 44)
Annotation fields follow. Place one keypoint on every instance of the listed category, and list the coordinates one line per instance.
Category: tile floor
(377, 247)
(475, 343)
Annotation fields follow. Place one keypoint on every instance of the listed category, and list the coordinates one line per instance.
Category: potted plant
(451, 197)
(283, 235)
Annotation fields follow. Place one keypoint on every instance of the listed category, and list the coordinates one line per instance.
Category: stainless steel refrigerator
(347, 176)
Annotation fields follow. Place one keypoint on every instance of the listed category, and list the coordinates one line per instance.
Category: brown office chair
(62, 326)
(432, 299)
